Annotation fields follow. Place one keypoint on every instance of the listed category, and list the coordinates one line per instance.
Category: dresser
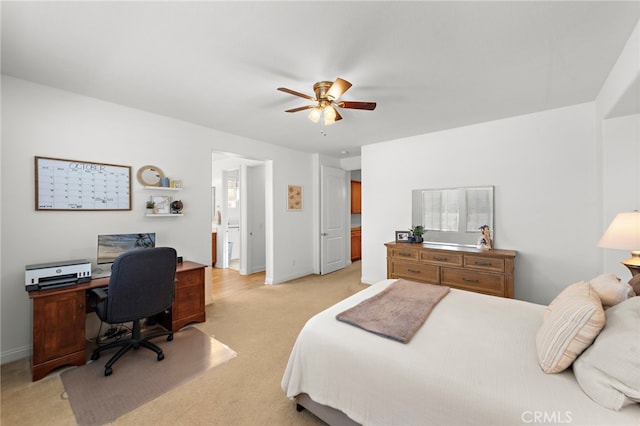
(466, 268)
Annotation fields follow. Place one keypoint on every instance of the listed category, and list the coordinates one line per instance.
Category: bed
(473, 361)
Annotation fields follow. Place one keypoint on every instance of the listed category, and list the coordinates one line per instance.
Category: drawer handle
(469, 280)
(482, 263)
(414, 271)
(404, 254)
(440, 259)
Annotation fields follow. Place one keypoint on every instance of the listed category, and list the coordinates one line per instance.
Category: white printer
(57, 274)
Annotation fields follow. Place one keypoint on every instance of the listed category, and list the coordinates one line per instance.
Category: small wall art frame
(81, 185)
(162, 204)
(402, 236)
(294, 198)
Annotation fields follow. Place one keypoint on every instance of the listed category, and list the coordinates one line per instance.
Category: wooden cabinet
(466, 268)
(356, 197)
(58, 331)
(356, 243)
(59, 317)
(188, 305)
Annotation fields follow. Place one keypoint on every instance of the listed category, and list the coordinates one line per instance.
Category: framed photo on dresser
(402, 236)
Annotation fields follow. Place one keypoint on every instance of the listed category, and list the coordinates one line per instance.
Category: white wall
(618, 107)
(620, 180)
(41, 121)
(545, 169)
(619, 94)
(560, 177)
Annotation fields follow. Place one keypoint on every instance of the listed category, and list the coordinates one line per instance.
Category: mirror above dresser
(453, 215)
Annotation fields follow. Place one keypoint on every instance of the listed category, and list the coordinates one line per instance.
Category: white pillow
(611, 290)
(609, 370)
(571, 322)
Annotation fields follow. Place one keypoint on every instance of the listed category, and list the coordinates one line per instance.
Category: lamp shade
(623, 232)
(314, 115)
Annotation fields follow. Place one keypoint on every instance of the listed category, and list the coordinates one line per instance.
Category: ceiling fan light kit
(326, 98)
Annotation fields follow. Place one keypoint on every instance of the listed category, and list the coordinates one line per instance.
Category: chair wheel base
(108, 371)
(160, 356)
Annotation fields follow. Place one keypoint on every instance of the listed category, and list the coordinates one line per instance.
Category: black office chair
(142, 284)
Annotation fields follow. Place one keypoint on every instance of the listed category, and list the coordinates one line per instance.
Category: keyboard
(100, 273)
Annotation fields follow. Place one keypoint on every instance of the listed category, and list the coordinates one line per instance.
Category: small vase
(418, 239)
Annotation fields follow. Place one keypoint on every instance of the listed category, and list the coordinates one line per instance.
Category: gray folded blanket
(398, 311)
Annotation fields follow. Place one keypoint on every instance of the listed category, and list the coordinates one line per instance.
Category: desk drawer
(451, 259)
(188, 278)
(484, 263)
(189, 301)
(415, 271)
(474, 281)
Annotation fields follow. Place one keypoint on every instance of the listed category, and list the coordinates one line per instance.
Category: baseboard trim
(15, 354)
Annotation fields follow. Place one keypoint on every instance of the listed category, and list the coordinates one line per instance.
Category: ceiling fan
(326, 100)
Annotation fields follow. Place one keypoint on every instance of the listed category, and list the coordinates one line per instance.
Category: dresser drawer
(415, 271)
(474, 281)
(484, 263)
(451, 259)
(405, 253)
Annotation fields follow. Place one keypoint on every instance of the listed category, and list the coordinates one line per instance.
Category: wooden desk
(59, 317)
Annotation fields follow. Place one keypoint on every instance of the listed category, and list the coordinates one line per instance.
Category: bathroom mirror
(453, 215)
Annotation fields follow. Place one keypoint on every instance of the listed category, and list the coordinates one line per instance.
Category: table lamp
(624, 234)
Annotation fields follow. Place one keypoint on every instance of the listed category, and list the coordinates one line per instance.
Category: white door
(333, 233)
(256, 236)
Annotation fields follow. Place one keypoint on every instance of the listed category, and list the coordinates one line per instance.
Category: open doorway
(356, 214)
(238, 213)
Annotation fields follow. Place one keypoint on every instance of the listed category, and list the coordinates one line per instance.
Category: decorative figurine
(176, 207)
(485, 239)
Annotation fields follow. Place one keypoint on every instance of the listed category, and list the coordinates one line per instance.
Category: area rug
(138, 377)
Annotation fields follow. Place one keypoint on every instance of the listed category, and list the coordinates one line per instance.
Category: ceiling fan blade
(302, 108)
(338, 116)
(294, 93)
(338, 88)
(357, 105)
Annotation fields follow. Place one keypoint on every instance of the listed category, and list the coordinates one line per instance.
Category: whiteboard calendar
(80, 185)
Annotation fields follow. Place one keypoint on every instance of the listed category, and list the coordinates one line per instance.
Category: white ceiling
(429, 65)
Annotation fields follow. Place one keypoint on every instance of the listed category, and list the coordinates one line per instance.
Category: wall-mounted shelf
(162, 200)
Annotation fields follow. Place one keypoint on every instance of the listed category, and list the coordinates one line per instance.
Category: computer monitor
(113, 245)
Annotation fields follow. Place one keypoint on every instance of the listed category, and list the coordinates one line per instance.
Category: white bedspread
(472, 362)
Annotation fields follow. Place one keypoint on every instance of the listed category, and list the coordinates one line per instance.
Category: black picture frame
(402, 236)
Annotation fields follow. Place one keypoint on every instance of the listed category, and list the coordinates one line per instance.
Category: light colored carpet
(259, 322)
(138, 377)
